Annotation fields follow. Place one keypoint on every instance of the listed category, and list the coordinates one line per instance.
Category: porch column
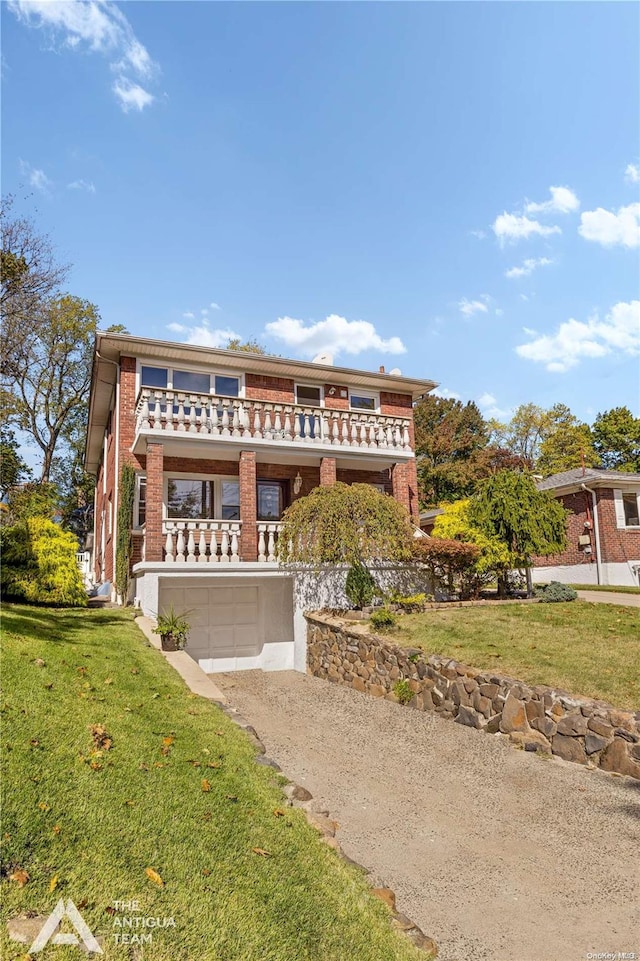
(327, 471)
(412, 481)
(400, 484)
(153, 547)
(248, 506)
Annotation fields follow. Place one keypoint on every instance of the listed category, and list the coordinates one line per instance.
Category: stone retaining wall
(537, 718)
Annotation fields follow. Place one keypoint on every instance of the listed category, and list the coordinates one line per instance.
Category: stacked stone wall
(537, 718)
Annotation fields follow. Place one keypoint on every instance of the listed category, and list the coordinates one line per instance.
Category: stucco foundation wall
(621, 575)
(537, 718)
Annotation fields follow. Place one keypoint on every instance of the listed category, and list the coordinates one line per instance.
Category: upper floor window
(631, 512)
(363, 402)
(155, 377)
(307, 396)
(189, 381)
(226, 386)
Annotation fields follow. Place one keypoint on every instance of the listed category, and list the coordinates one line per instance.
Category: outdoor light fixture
(297, 484)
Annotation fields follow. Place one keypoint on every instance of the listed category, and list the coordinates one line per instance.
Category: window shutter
(617, 498)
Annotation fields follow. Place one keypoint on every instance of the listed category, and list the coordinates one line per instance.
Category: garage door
(232, 618)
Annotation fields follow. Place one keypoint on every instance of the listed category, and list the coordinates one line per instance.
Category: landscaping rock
(358, 685)
(376, 690)
(298, 793)
(617, 758)
(26, 930)
(493, 724)
(514, 716)
(568, 748)
(594, 742)
(600, 727)
(534, 709)
(489, 690)
(386, 895)
(321, 823)
(626, 735)
(572, 725)
(466, 715)
(545, 726)
(531, 741)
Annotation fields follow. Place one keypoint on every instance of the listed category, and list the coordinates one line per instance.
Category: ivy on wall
(125, 522)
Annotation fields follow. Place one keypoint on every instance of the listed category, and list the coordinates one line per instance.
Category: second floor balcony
(169, 414)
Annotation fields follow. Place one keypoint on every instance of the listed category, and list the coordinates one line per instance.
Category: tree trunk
(502, 585)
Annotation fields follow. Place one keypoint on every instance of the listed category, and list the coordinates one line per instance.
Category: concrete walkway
(610, 597)
(497, 854)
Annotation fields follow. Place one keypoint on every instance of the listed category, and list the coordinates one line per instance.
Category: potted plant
(173, 630)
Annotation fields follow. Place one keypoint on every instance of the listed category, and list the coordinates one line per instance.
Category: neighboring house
(603, 528)
(222, 442)
(428, 519)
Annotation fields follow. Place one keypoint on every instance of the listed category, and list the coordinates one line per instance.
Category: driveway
(610, 597)
(497, 854)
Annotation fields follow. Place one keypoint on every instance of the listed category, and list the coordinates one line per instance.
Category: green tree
(455, 524)
(39, 564)
(249, 346)
(529, 522)
(13, 469)
(567, 443)
(50, 377)
(616, 439)
(448, 436)
(523, 434)
(34, 499)
(345, 524)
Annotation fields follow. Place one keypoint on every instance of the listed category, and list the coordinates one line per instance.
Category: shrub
(345, 524)
(360, 585)
(448, 561)
(383, 619)
(39, 565)
(413, 602)
(555, 592)
(402, 691)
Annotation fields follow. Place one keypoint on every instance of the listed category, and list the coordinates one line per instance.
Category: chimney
(382, 368)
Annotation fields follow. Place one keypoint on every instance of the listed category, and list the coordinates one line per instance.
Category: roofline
(268, 362)
(597, 482)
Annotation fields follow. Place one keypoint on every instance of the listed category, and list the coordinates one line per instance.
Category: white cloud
(470, 307)
(102, 28)
(176, 328)
(203, 336)
(86, 185)
(612, 229)
(573, 340)
(189, 316)
(131, 95)
(513, 227)
(527, 267)
(36, 178)
(333, 335)
(479, 234)
(488, 405)
(215, 306)
(632, 174)
(563, 201)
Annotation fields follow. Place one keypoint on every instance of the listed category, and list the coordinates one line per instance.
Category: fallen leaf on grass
(214, 764)
(261, 852)
(101, 738)
(232, 797)
(34, 742)
(108, 680)
(154, 696)
(56, 829)
(219, 733)
(130, 803)
(135, 670)
(206, 872)
(95, 766)
(205, 785)
(49, 686)
(39, 662)
(53, 883)
(195, 763)
(159, 764)
(44, 806)
(110, 911)
(154, 876)
(207, 816)
(278, 813)
(20, 876)
(168, 741)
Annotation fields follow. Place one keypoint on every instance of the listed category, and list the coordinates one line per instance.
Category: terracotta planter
(168, 642)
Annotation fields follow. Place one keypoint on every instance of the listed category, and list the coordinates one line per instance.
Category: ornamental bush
(345, 524)
(555, 592)
(449, 562)
(39, 565)
(360, 586)
(383, 619)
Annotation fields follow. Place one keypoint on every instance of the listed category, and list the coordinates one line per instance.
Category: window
(192, 383)
(192, 499)
(630, 504)
(155, 377)
(141, 515)
(307, 396)
(271, 500)
(230, 500)
(226, 386)
(362, 402)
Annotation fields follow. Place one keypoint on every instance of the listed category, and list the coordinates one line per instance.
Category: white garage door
(233, 620)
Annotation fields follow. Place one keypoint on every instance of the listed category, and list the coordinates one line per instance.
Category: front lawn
(118, 784)
(588, 649)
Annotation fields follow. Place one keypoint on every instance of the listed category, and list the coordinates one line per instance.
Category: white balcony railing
(170, 411)
(268, 532)
(204, 541)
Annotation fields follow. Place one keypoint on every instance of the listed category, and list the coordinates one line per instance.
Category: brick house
(603, 528)
(222, 442)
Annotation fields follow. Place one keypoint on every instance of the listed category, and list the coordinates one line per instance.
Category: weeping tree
(528, 521)
(345, 524)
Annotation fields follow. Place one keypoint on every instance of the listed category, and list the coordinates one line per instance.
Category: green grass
(611, 588)
(587, 649)
(97, 829)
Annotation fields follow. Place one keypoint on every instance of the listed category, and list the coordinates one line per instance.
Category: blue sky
(447, 188)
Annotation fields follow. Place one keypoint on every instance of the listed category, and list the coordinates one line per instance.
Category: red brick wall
(335, 401)
(366, 477)
(248, 506)
(618, 544)
(273, 390)
(155, 482)
(328, 474)
(400, 485)
(579, 503)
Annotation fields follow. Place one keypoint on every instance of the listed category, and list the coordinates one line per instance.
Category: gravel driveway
(497, 854)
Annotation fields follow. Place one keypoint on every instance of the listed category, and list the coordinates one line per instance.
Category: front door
(273, 499)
